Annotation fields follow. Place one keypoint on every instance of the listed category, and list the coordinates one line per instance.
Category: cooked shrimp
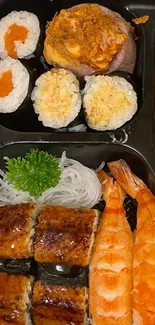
(111, 265)
(144, 250)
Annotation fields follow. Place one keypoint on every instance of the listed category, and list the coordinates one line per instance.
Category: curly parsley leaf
(35, 173)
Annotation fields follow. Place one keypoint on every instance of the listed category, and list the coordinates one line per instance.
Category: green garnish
(35, 173)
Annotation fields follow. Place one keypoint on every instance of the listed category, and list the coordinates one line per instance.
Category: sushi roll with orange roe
(14, 84)
(19, 34)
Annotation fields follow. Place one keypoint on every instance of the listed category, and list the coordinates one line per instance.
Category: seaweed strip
(62, 274)
(14, 266)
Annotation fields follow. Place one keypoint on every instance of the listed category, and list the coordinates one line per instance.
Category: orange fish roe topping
(14, 33)
(6, 84)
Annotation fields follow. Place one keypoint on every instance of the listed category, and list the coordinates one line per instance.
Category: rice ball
(19, 34)
(56, 98)
(14, 84)
(109, 102)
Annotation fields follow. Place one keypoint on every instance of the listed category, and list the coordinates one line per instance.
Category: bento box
(77, 200)
(24, 123)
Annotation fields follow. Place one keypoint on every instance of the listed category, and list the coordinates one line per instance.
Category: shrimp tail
(129, 181)
(110, 188)
(106, 183)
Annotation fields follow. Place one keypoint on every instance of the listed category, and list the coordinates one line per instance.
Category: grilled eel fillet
(65, 236)
(58, 305)
(15, 291)
(17, 230)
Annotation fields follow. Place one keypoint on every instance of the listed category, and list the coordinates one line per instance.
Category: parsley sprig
(34, 173)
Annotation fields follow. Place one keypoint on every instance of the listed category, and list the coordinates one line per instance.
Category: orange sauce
(14, 33)
(84, 34)
(6, 84)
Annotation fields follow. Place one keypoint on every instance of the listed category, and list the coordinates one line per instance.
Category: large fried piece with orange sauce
(89, 39)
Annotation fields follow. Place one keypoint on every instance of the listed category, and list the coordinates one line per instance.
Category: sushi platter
(77, 162)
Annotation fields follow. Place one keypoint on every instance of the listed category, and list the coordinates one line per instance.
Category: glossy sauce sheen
(58, 305)
(64, 236)
(9, 317)
(12, 290)
(16, 230)
(13, 296)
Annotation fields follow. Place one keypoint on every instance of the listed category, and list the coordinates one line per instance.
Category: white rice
(25, 19)
(20, 79)
(109, 102)
(56, 98)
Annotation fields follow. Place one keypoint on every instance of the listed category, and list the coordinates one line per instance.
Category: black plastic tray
(91, 155)
(23, 124)
(134, 142)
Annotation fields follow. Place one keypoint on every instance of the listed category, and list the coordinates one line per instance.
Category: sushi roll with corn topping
(109, 102)
(14, 84)
(56, 98)
(19, 34)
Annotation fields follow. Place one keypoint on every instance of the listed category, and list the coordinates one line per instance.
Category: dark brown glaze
(64, 236)
(16, 226)
(13, 291)
(58, 305)
(9, 317)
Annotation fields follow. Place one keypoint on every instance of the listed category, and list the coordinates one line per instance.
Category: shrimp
(110, 276)
(144, 249)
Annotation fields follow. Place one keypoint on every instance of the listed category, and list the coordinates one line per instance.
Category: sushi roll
(56, 98)
(14, 84)
(17, 230)
(58, 305)
(15, 291)
(19, 34)
(65, 235)
(109, 102)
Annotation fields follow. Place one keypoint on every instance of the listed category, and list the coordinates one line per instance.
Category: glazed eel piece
(15, 292)
(65, 235)
(58, 305)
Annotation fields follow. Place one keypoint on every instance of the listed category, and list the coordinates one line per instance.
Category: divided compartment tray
(91, 155)
(24, 125)
(133, 142)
